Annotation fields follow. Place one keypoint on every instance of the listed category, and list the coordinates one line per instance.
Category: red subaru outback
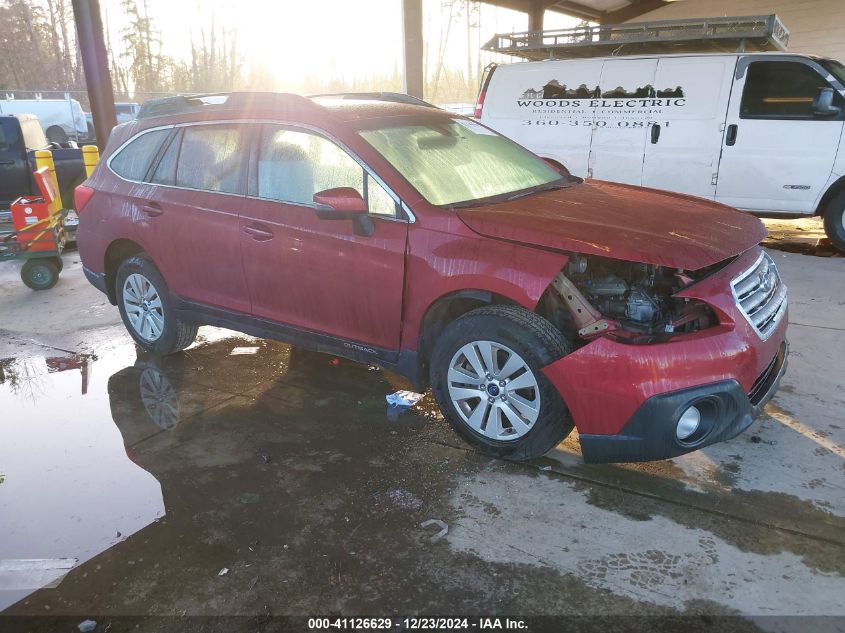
(424, 242)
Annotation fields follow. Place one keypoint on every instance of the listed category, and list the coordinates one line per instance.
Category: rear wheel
(40, 274)
(834, 220)
(147, 310)
(486, 378)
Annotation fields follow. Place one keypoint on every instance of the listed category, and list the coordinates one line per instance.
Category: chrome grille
(761, 295)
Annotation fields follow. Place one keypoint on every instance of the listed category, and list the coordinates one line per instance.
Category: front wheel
(486, 378)
(40, 274)
(834, 221)
(147, 310)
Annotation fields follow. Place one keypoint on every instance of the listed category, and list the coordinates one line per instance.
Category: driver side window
(781, 90)
(294, 165)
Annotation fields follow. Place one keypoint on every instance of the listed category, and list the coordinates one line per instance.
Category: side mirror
(823, 103)
(342, 203)
(342, 199)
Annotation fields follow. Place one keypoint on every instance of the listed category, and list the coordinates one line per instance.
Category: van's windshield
(458, 162)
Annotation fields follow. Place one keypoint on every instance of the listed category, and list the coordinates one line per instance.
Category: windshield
(834, 68)
(459, 161)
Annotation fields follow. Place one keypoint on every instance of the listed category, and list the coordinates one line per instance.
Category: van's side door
(777, 153)
(621, 121)
(317, 273)
(685, 140)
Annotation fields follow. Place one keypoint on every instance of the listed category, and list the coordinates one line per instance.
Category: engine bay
(626, 297)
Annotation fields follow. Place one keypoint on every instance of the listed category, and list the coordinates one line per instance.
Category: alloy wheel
(143, 307)
(494, 390)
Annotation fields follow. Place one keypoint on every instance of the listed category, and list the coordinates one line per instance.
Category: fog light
(688, 423)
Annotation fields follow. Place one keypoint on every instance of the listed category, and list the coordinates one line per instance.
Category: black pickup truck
(20, 136)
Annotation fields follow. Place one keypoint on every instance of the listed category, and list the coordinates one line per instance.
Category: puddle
(77, 432)
(69, 490)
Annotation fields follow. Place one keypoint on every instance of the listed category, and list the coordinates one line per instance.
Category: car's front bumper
(650, 434)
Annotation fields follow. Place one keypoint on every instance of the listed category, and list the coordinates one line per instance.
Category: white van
(758, 131)
(61, 119)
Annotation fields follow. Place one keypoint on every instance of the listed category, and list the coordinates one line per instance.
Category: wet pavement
(244, 477)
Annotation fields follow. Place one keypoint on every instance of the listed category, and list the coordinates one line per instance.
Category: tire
(512, 330)
(40, 274)
(156, 329)
(56, 134)
(834, 220)
(60, 265)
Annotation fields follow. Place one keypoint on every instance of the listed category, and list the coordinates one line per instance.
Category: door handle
(258, 233)
(655, 134)
(152, 210)
(730, 136)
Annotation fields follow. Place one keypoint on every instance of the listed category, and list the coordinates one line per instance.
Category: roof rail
(181, 104)
(731, 34)
(392, 97)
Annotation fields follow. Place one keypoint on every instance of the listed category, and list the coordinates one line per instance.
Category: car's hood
(622, 222)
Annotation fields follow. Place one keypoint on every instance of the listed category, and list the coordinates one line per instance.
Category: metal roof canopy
(732, 34)
(601, 11)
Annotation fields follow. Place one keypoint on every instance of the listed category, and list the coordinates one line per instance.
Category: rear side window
(780, 90)
(213, 158)
(134, 160)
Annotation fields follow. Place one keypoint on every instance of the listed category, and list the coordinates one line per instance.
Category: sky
(340, 38)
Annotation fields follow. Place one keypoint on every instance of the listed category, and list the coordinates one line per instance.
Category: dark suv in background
(424, 242)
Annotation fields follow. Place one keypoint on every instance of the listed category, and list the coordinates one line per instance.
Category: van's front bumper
(626, 399)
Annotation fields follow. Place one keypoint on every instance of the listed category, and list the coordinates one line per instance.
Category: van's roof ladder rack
(733, 34)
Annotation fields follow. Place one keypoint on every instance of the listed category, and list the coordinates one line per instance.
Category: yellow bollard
(90, 156)
(44, 158)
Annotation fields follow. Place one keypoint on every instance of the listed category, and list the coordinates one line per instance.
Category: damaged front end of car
(664, 360)
(630, 301)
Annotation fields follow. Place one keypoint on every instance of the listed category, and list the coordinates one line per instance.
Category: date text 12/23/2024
(418, 623)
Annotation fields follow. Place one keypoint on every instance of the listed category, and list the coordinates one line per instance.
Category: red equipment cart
(39, 235)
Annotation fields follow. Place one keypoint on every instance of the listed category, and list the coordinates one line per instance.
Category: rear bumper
(726, 409)
(98, 280)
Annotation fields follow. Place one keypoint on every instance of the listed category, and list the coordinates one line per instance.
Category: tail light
(81, 196)
(482, 94)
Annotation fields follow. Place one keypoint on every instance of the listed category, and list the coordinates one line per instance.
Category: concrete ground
(246, 478)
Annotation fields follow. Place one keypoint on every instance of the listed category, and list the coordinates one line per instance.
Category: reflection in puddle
(75, 434)
(69, 489)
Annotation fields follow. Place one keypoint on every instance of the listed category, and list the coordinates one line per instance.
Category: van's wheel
(486, 378)
(147, 309)
(56, 134)
(40, 274)
(834, 220)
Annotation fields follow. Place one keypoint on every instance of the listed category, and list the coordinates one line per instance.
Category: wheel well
(835, 189)
(116, 253)
(445, 310)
